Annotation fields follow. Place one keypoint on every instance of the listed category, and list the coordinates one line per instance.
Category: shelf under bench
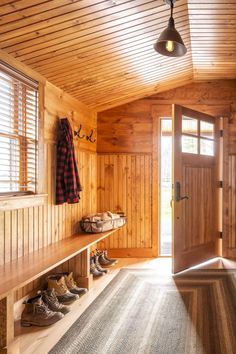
(20, 272)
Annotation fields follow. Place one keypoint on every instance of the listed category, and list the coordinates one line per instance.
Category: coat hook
(89, 137)
(77, 133)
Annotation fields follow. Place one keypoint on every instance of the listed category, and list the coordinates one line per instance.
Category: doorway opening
(165, 174)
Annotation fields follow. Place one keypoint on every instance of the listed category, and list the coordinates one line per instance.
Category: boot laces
(41, 308)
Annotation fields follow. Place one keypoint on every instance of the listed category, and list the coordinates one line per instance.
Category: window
(18, 132)
(197, 136)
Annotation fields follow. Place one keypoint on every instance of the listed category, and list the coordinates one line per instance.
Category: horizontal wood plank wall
(124, 184)
(130, 129)
(25, 230)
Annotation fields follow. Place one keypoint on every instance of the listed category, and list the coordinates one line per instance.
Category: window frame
(199, 137)
(21, 199)
(18, 98)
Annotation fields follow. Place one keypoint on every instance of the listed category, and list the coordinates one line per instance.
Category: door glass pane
(206, 130)
(166, 126)
(207, 147)
(189, 144)
(189, 126)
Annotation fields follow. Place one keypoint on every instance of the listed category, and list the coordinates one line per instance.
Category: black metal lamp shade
(170, 42)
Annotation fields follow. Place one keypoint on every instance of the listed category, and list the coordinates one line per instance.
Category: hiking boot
(72, 285)
(98, 265)
(37, 313)
(114, 261)
(103, 261)
(63, 295)
(50, 298)
(93, 269)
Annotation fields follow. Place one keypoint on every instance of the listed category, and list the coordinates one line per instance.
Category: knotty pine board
(125, 184)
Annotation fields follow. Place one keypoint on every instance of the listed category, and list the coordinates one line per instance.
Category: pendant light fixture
(170, 42)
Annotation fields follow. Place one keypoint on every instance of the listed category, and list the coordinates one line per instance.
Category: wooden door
(194, 188)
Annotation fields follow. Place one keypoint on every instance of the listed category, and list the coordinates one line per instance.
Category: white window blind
(18, 132)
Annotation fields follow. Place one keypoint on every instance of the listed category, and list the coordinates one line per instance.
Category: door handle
(178, 196)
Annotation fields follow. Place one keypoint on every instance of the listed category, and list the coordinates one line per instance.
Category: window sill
(19, 202)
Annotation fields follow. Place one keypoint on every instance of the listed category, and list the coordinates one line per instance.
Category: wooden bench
(24, 270)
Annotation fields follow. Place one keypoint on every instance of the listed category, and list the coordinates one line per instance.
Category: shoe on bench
(37, 313)
(57, 282)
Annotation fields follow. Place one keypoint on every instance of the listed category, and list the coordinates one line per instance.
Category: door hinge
(221, 235)
(220, 184)
(221, 133)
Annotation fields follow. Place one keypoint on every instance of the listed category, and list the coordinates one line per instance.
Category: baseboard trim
(130, 252)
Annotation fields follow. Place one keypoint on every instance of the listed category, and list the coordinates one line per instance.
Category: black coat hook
(77, 133)
(89, 137)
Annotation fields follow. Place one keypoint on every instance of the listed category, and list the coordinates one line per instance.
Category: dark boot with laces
(93, 269)
(37, 313)
(98, 265)
(50, 298)
(103, 261)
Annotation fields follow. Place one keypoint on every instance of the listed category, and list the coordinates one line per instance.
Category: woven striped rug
(141, 312)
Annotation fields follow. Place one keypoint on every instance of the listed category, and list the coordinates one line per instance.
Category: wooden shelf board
(18, 273)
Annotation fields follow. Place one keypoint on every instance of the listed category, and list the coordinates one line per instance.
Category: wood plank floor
(41, 340)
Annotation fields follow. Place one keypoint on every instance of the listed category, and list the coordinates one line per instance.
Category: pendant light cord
(172, 8)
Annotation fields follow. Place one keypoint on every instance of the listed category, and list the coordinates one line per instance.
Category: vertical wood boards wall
(229, 188)
(125, 177)
(124, 184)
(132, 130)
(24, 230)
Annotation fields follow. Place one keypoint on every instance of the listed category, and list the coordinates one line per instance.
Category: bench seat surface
(18, 273)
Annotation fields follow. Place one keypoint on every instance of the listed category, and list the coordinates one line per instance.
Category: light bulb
(170, 46)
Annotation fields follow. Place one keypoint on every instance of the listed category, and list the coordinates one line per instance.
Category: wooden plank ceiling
(101, 52)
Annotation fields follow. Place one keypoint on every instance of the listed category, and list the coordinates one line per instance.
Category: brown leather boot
(72, 285)
(62, 292)
(36, 313)
(50, 298)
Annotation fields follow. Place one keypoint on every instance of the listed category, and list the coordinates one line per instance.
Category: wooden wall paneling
(20, 232)
(126, 132)
(31, 230)
(129, 201)
(24, 230)
(149, 200)
(122, 195)
(14, 242)
(125, 184)
(7, 231)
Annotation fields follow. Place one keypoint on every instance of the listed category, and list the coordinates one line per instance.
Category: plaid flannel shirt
(67, 178)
